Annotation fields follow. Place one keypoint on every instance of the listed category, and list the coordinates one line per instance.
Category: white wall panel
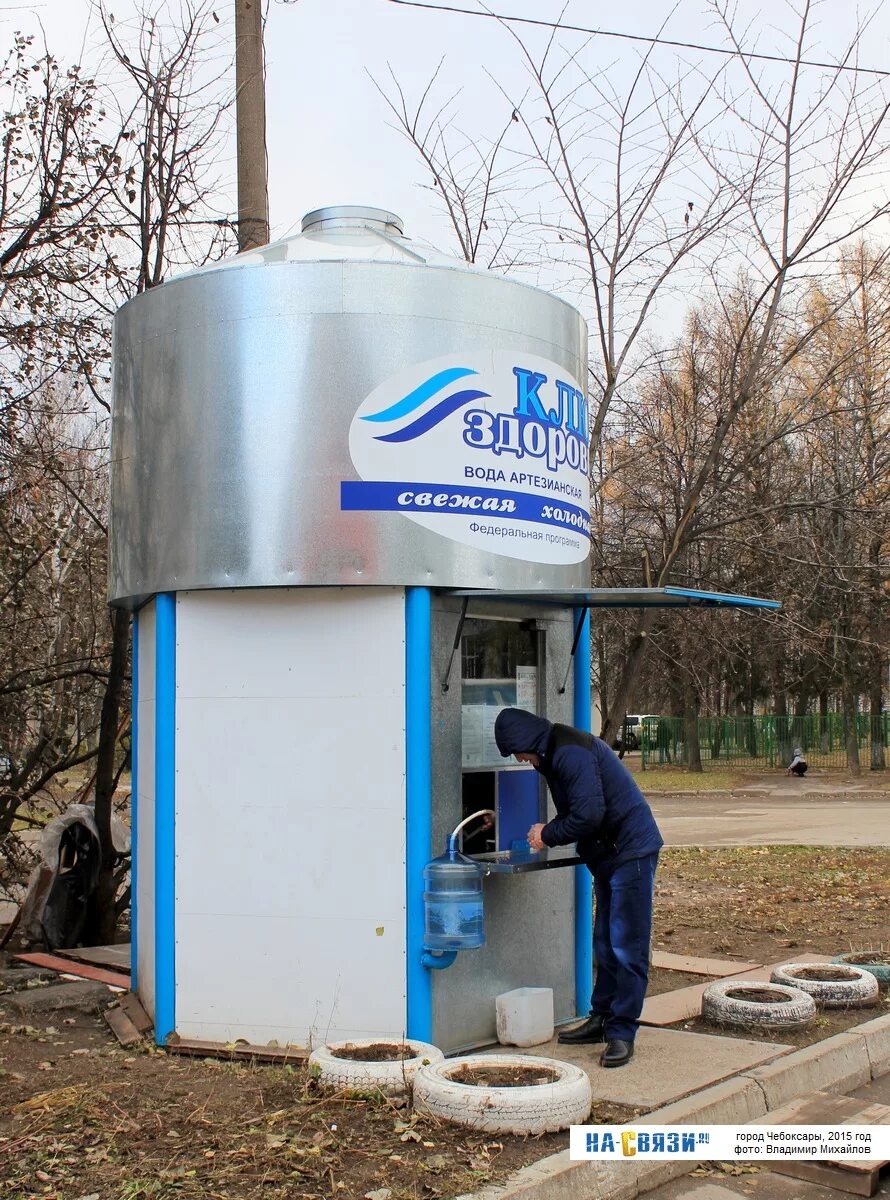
(304, 980)
(145, 800)
(290, 813)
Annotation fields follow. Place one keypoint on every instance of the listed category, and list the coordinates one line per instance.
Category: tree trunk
(823, 722)
(102, 916)
(626, 690)
(690, 731)
(850, 731)
(601, 663)
(783, 728)
(876, 695)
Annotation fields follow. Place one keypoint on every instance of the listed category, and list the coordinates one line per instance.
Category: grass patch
(678, 779)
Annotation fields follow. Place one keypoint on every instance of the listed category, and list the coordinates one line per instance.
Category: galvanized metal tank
(343, 407)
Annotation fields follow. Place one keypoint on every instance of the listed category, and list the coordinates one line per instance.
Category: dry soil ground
(82, 1118)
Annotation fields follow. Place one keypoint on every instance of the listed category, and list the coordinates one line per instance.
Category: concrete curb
(766, 794)
(838, 1064)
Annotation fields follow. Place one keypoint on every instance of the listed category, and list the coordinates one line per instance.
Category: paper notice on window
(491, 754)
(471, 719)
(527, 688)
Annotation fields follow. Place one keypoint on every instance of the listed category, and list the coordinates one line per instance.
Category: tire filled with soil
(378, 1052)
(503, 1076)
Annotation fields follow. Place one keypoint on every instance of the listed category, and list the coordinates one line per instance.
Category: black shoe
(591, 1031)
(616, 1053)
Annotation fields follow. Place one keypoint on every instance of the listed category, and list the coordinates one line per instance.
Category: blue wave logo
(416, 399)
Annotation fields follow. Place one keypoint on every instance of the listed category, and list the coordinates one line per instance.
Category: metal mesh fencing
(767, 741)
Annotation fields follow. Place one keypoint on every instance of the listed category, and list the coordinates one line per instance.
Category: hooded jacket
(598, 804)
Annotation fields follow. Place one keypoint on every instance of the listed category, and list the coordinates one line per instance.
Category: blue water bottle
(452, 900)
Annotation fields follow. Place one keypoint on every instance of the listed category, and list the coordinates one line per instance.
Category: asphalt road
(734, 820)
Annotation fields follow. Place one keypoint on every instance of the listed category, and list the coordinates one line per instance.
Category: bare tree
(57, 164)
(801, 162)
(52, 558)
(58, 168)
(110, 185)
(165, 210)
(164, 198)
(469, 174)
(631, 205)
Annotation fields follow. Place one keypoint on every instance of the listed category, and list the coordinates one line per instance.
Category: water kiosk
(350, 515)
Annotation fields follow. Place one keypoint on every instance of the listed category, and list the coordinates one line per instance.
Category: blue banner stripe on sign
(450, 500)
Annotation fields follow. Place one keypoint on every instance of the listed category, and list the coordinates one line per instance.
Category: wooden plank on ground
(685, 1003)
(856, 1183)
(691, 965)
(822, 1108)
(271, 1054)
(65, 966)
(137, 1014)
(122, 1027)
(116, 957)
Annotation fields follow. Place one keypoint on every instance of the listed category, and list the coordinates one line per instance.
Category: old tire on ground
(536, 1108)
(858, 990)
(881, 971)
(393, 1078)
(796, 1007)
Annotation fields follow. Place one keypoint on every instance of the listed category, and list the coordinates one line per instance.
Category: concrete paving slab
(84, 997)
(838, 1064)
(667, 1064)
(735, 1101)
(685, 1003)
(876, 1092)
(14, 979)
(763, 1185)
(702, 1190)
(690, 965)
(877, 1042)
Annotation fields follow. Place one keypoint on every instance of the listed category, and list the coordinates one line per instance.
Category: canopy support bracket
(457, 637)
(582, 616)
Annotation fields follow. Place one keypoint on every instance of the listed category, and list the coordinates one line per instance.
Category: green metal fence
(767, 741)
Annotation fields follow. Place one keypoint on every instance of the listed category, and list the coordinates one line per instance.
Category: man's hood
(519, 732)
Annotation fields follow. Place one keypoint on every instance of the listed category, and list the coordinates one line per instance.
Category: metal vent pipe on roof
(352, 216)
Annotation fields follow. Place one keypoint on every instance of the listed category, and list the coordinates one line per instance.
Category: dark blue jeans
(622, 928)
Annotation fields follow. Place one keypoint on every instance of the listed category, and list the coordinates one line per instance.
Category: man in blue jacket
(599, 806)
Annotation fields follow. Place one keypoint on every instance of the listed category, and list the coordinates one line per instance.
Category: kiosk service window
(500, 661)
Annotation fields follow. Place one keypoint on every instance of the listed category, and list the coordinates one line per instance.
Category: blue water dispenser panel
(517, 805)
(514, 795)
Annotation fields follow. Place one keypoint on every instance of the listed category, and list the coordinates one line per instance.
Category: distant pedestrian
(798, 764)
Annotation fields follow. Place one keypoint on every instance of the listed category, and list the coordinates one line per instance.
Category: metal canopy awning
(587, 598)
(665, 597)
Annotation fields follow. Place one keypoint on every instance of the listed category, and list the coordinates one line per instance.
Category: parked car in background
(631, 733)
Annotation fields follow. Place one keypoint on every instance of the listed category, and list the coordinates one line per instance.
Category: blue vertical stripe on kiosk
(583, 878)
(165, 816)
(134, 808)
(418, 805)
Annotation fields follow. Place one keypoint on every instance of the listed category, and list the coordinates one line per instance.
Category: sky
(329, 134)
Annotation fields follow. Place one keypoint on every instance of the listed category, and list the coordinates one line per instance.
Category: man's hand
(534, 838)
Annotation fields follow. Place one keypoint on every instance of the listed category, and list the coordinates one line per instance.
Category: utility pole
(250, 119)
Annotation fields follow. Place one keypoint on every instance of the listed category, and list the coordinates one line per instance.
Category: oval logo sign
(490, 453)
